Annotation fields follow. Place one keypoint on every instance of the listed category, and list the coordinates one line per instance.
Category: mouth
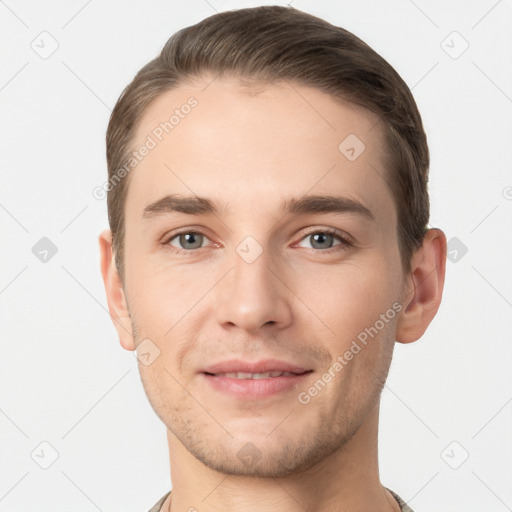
(254, 380)
(254, 376)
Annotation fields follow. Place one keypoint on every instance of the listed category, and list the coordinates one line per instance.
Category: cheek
(346, 298)
(164, 296)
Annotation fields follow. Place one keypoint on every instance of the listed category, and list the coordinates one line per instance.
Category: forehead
(260, 143)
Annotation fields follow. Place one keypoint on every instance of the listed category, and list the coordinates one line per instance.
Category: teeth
(255, 376)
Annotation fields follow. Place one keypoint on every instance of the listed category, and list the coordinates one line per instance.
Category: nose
(254, 294)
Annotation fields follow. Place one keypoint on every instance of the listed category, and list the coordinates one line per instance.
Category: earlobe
(116, 299)
(425, 284)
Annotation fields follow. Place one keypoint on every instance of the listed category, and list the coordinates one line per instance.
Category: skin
(250, 148)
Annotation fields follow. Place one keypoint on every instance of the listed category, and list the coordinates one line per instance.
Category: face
(265, 289)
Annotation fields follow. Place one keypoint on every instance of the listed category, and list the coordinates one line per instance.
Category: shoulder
(403, 506)
(158, 505)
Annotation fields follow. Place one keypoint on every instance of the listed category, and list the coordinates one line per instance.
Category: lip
(266, 365)
(254, 388)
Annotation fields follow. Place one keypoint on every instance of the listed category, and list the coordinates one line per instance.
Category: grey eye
(189, 240)
(321, 240)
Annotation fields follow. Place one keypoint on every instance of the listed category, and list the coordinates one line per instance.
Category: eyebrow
(194, 205)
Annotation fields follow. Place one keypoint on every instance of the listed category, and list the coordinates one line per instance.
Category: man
(255, 138)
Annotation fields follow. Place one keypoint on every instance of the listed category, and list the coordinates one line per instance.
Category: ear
(116, 299)
(423, 287)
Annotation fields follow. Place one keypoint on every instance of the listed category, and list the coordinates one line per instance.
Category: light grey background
(66, 381)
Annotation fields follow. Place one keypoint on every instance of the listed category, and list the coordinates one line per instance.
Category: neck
(347, 479)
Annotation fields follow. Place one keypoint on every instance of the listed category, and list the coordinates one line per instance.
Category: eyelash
(345, 242)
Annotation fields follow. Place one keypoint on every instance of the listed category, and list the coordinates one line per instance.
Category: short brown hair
(272, 43)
